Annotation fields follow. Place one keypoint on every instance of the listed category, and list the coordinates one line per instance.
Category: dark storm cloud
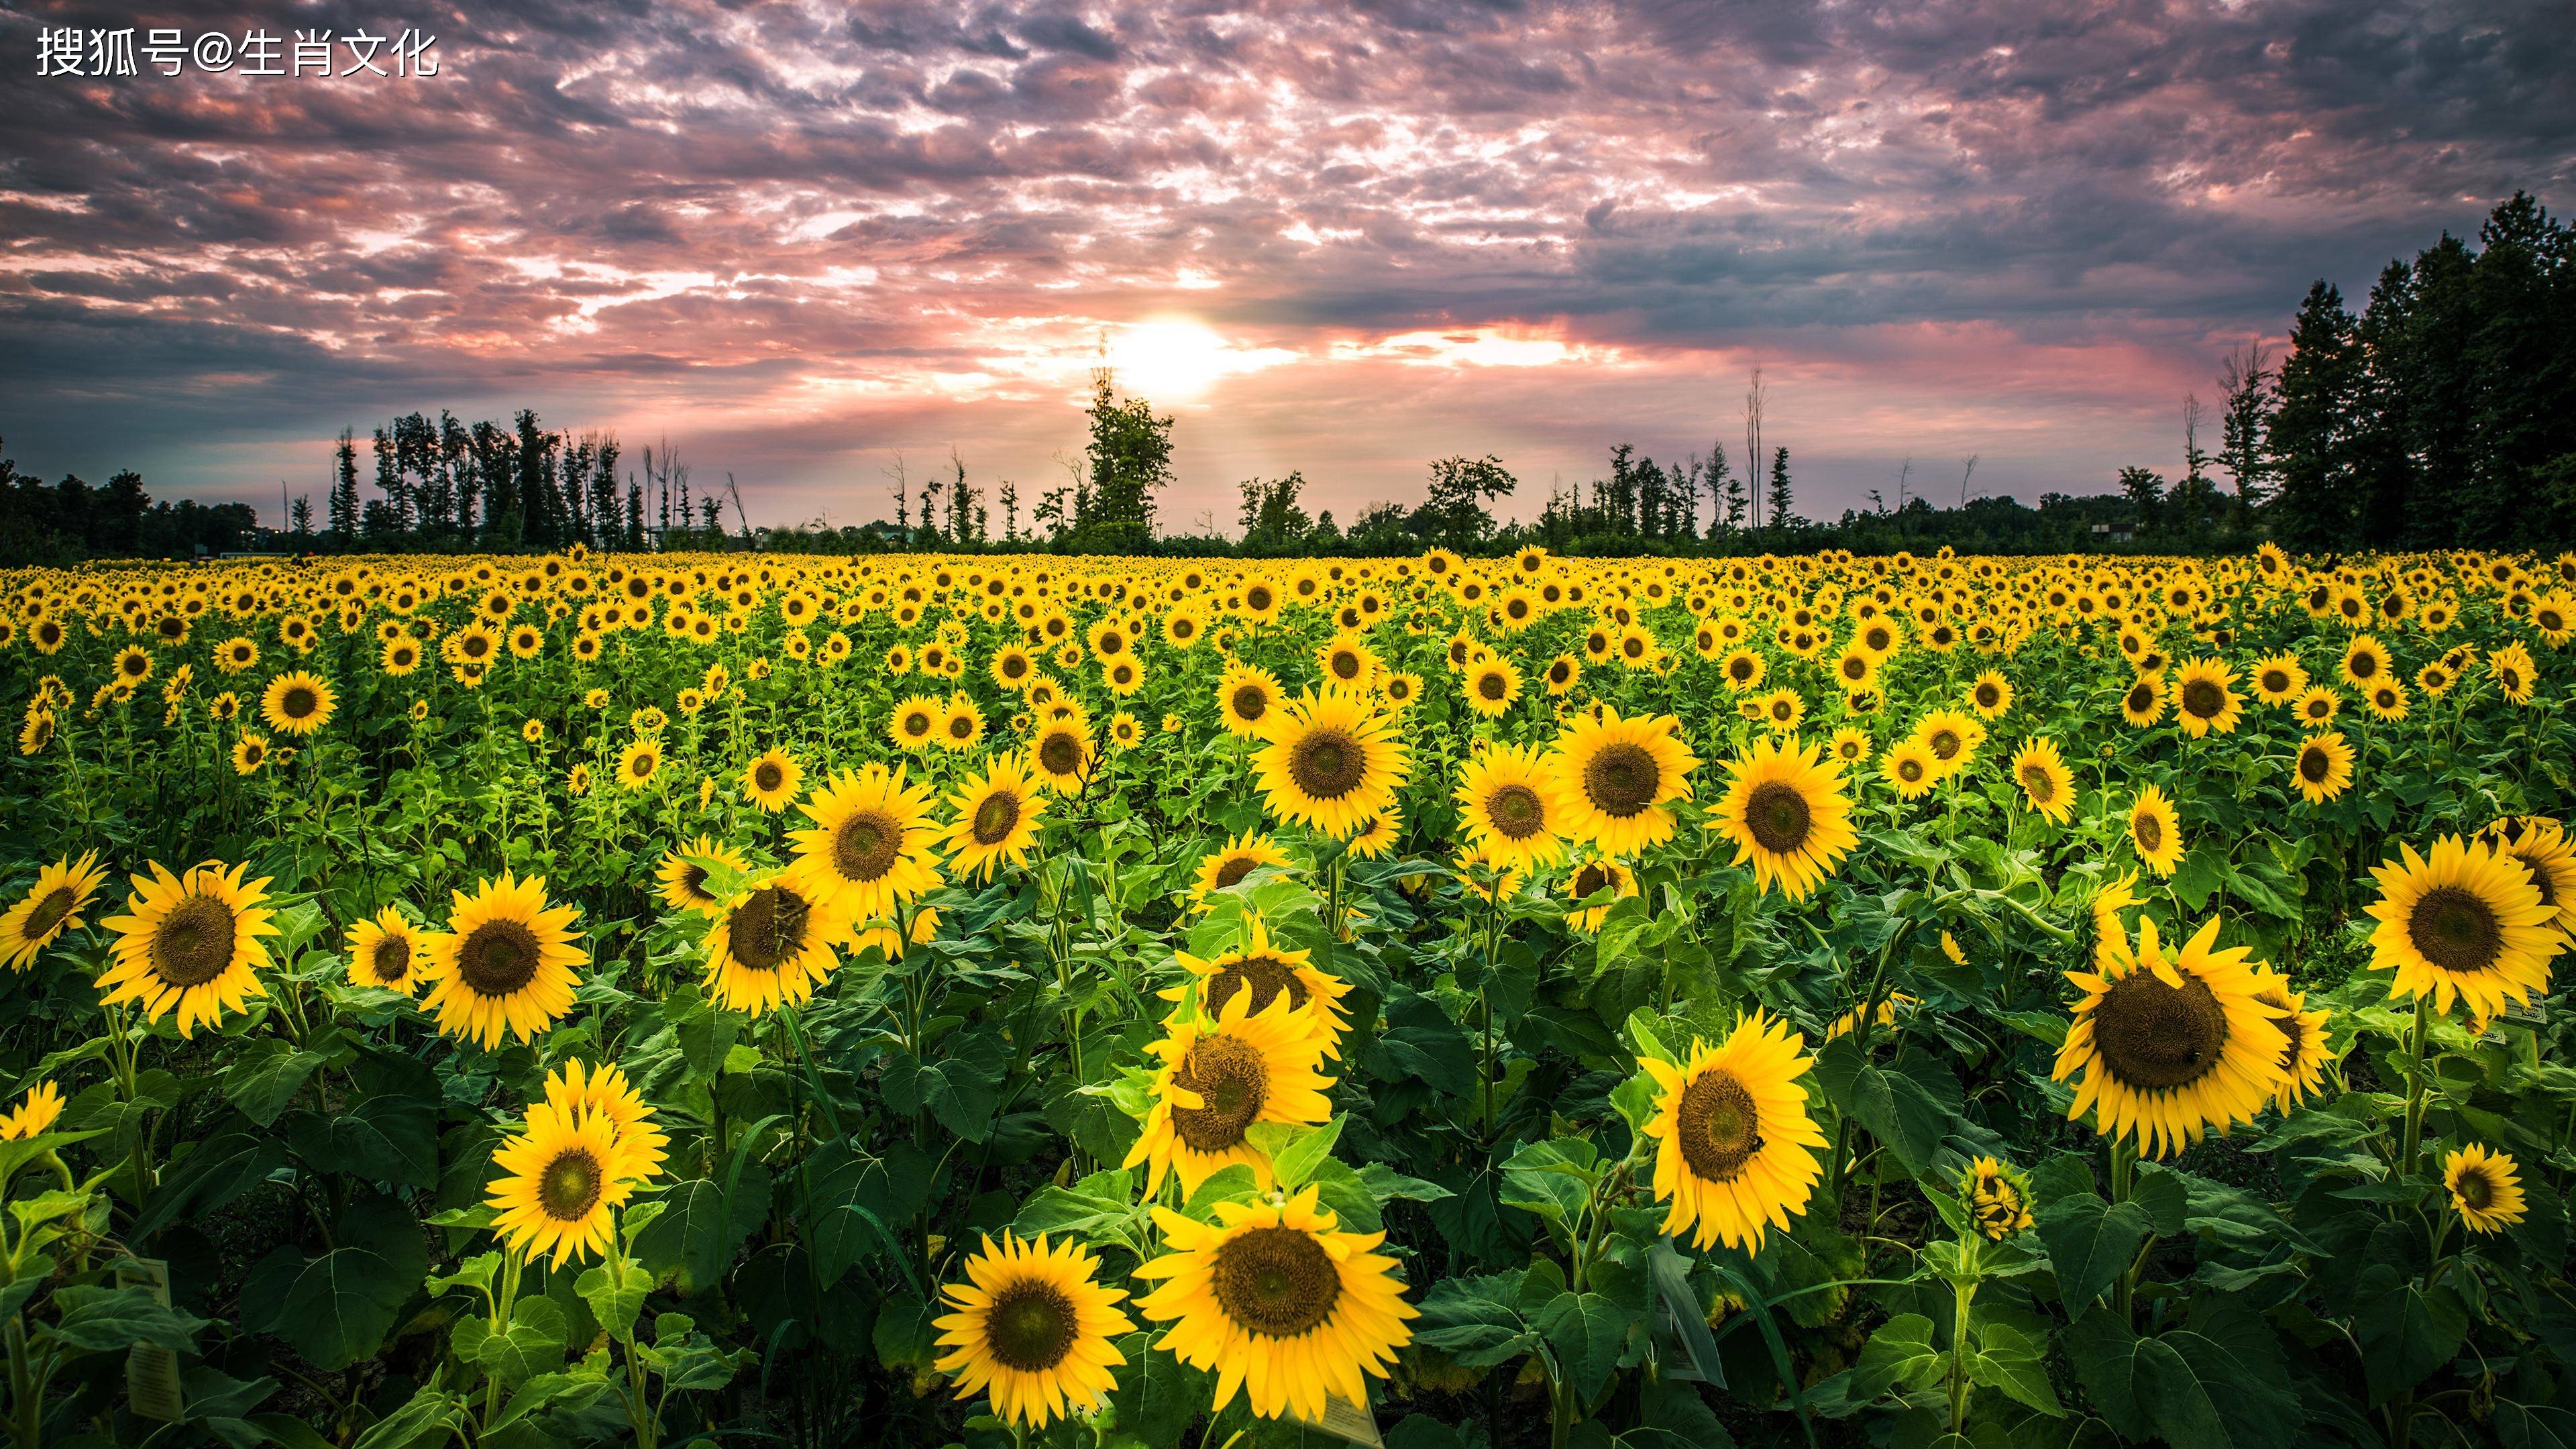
(810, 229)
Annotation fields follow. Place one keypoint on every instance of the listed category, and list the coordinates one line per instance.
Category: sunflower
(1246, 698)
(2144, 703)
(1034, 1328)
(961, 724)
(869, 849)
(1998, 1198)
(1952, 737)
(1743, 670)
(2387, 700)
(562, 1180)
(2365, 662)
(34, 1115)
(582, 1092)
(2484, 1188)
(1781, 709)
(1615, 776)
(1909, 767)
(297, 703)
(50, 907)
(1221, 1074)
(1507, 802)
(1062, 753)
(1785, 811)
(1849, 746)
(2045, 782)
(773, 780)
(1331, 761)
(1375, 836)
(2170, 1046)
(504, 965)
(1591, 878)
(2155, 830)
(2303, 1062)
(2513, 672)
(1736, 1152)
(1991, 695)
(1856, 670)
(189, 944)
(769, 945)
(2279, 678)
(639, 762)
(996, 818)
(2324, 766)
(1265, 969)
(914, 725)
(386, 952)
(1241, 856)
(2205, 698)
(2541, 844)
(1493, 686)
(682, 876)
(2467, 922)
(2317, 706)
(1279, 1303)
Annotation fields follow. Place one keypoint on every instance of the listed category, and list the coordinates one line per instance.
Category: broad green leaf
(99, 1320)
(337, 1308)
(2090, 1244)
(2010, 1360)
(266, 1075)
(615, 1290)
(2405, 1332)
(1899, 1357)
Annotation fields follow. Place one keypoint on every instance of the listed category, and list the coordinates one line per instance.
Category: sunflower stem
(2414, 1137)
(2124, 1166)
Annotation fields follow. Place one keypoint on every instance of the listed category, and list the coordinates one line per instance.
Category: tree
(1455, 512)
(1782, 515)
(344, 490)
(1271, 516)
(116, 514)
(302, 514)
(1129, 461)
(2145, 489)
(2312, 428)
(2246, 378)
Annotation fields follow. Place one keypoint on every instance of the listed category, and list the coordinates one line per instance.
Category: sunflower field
(737, 999)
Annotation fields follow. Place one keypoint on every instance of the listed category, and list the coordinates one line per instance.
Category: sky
(799, 241)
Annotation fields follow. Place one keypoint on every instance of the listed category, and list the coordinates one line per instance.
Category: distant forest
(2442, 415)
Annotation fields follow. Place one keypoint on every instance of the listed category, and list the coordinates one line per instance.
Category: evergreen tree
(2312, 429)
(344, 491)
(1781, 497)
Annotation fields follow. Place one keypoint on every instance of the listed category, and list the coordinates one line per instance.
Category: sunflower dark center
(570, 1186)
(2151, 1035)
(1278, 1282)
(866, 846)
(1910, 770)
(1780, 818)
(48, 914)
(1060, 753)
(767, 929)
(1590, 879)
(2455, 930)
(1265, 976)
(1257, 599)
(1718, 1126)
(2539, 879)
(1346, 665)
(1739, 669)
(2313, 765)
(1030, 1325)
(498, 958)
(297, 702)
(1517, 811)
(2475, 1190)
(916, 724)
(2036, 783)
(1855, 667)
(768, 777)
(2142, 697)
(194, 942)
(962, 728)
(1946, 743)
(1250, 702)
(2276, 682)
(1491, 685)
(1234, 870)
(1622, 779)
(2364, 665)
(1232, 1083)
(2203, 699)
(1328, 764)
(391, 960)
(2149, 830)
(996, 818)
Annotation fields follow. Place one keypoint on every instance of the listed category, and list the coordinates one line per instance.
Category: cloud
(796, 237)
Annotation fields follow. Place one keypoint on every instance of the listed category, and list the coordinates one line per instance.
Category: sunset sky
(797, 238)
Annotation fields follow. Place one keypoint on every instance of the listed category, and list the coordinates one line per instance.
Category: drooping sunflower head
(1035, 1328)
(1616, 777)
(1331, 760)
(2464, 923)
(1736, 1151)
(1507, 800)
(1998, 1198)
(1218, 1076)
(189, 945)
(1787, 815)
(505, 965)
(773, 780)
(996, 818)
(2304, 1059)
(682, 876)
(51, 907)
(2486, 1191)
(2543, 847)
(2170, 1044)
(386, 952)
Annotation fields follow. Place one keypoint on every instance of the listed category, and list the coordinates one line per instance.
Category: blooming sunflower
(1330, 761)
(2303, 1062)
(1616, 776)
(582, 1092)
(2205, 699)
(1991, 695)
(2170, 1046)
(1225, 868)
(1998, 1198)
(1850, 745)
(2317, 706)
(1785, 811)
(2279, 678)
(2540, 843)
(1033, 1328)
(504, 965)
(1493, 685)
(996, 818)
(773, 780)
(769, 945)
(640, 761)
(1265, 969)
(2155, 830)
(961, 724)
(1246, 698)
(298, 703)
(1507, 799)
(2144, 703)
(189, 944)
(1375, 836)
(2466, 923)
(1279, 1303)
(1221, 1074)
(1909, 767)
(2485, 1190)
(34, 1115)
(2045, 782)
(681, 879)
(2324, 766)
(562, 1180)
(870, 848)
(2513, 672)
(50, 907)
(386, 952)
(1736, 1153)
(1952, 737)
(1590, 879)
(914, 725)
(2365, 661)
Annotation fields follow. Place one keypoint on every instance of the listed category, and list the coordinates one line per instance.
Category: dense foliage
(559, 1000)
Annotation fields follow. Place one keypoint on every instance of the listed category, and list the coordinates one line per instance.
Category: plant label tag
(2533, 1014)
(151, 1372)
(1344, 1420)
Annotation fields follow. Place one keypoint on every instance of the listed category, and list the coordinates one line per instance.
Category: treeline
(65, 522)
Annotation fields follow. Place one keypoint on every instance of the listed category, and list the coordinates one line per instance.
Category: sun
(1175, 359)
